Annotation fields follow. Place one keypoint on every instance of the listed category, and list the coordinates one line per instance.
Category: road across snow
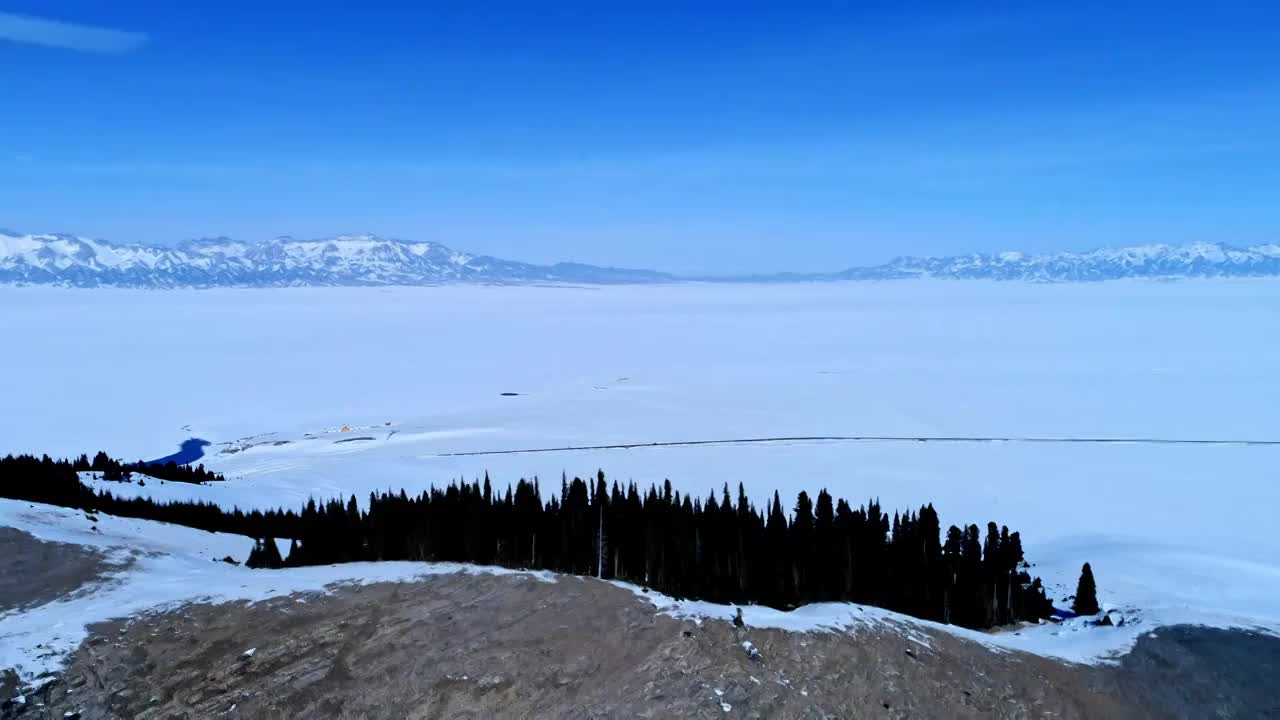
(873, 439)
(1176, 531)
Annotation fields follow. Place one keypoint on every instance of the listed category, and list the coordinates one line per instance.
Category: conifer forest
(721, 548)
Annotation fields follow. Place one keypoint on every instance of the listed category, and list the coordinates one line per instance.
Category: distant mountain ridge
(56, 259)
(1193, 260)
(280, 262)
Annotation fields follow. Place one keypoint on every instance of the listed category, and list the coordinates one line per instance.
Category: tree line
(719, 548)
(56, 482)
(112, 469)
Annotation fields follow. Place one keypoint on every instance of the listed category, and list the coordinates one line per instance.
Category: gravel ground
(34, 572)
(466, 646)
(1198, 672)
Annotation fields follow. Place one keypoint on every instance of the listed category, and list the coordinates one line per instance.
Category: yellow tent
(346, 429)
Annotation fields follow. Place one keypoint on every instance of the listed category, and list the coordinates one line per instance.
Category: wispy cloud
(67, 35)
(170, 169)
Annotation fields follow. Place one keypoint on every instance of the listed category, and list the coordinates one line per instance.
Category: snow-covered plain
(1174, 532)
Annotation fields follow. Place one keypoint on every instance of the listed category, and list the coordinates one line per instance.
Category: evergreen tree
(1086, 602)
(802, 547)
(255, 559)
(1038, 605)
(270, 556)
(822, 564)
(780, 589)
(951, 562)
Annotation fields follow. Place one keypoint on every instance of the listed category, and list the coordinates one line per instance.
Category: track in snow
(878, 438)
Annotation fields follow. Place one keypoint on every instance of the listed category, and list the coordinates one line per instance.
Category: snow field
(1174, 533)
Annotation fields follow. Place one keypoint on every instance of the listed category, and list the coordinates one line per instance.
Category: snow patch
(1076, 640)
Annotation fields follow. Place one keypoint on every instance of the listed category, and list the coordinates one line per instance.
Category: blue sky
(723, 137)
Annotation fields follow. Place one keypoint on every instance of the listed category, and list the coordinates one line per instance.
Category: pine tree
(255, 559)
(1086, 602)
(1038, 605)
(952, 563)
(780, 582)
(821, 563)
(270, 556)
(802, 547)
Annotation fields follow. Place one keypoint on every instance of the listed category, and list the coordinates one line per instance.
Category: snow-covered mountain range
(1193, 260)
(283, 261)
(56, 259)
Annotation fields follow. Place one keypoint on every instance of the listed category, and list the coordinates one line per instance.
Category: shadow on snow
(191, 450)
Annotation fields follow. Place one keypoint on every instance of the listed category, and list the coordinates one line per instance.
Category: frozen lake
(418, 373)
